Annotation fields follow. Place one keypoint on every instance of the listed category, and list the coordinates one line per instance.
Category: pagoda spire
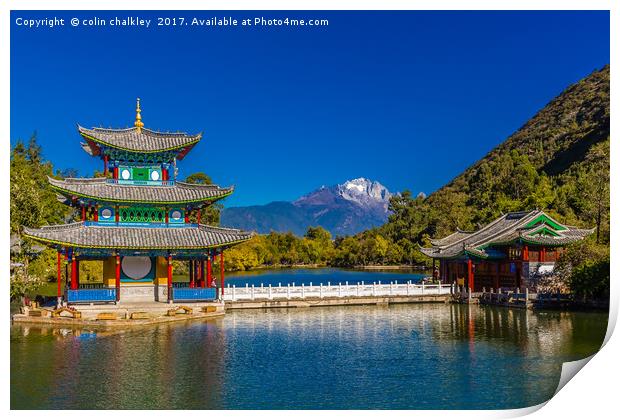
(138, 123)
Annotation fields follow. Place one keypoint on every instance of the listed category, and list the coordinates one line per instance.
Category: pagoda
(510, 252)
(137, 219)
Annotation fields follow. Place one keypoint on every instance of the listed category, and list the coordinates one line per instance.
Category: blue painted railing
(189, 293)
(139, 224)
(91, 295)
(170, 182)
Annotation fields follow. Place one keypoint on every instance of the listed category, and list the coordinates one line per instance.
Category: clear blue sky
(407, 98)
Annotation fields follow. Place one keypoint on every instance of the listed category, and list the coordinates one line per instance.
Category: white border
(592, 395)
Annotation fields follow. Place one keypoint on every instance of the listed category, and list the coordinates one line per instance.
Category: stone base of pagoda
(147, 293)
(121, 315)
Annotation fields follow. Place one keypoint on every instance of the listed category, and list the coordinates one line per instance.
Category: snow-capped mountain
(365, 192)
(362, 191)
(343, 209)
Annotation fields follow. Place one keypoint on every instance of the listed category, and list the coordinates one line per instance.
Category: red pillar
(83, 213)
(66, 267)
(105, 165)
(73, 273)
(209, 276)
(117, 278)
(164, 174)
(525, 257)
(117, 216)
(169, 278)
(222, 274)
(115, 173)
(186, 215)
(96, 213)
(470, 275)
(77, 272)
(58, 277)
(203, 283)
(198, 216)
(166, 210)
(191, 273)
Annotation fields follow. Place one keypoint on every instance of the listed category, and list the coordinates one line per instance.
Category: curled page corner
(570, 369)
(520, 412)
(611, 320)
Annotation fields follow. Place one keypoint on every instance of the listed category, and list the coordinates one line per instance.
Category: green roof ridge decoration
(544, 230)
(544, 218)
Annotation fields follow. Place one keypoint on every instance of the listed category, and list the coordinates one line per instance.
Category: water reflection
(401, 356)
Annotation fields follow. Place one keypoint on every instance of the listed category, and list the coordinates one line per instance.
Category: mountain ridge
(342, 209)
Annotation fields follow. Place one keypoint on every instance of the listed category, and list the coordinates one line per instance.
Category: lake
(412, 356)
(316, 276)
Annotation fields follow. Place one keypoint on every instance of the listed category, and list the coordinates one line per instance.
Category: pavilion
(137, 219)
(509, 252)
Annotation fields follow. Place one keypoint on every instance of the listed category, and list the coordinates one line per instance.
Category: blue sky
(406, 98)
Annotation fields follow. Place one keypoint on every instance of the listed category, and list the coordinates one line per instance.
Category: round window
(154, 175)
(176, 215)
(125, 174)
(106, 213)
(136, 267)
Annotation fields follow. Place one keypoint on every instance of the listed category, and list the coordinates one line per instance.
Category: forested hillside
(558, 161)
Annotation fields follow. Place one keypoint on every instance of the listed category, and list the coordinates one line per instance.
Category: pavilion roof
(136, 139)
(86, 235)
(530, 227)
(101, 189)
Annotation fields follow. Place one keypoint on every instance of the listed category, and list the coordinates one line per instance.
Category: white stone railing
(291, 291)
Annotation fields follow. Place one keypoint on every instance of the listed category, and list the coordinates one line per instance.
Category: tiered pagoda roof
(103, 189)
(532, 227)
(153, 208)
(91, 236)
(137, 139)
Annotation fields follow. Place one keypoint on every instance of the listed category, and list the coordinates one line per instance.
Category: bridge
(291, 295)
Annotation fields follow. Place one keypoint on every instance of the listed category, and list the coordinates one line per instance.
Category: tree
(32, 201)
(318, 243)
(380, 248)
(210, 213)
(32, 204)
(199, 178)
(592, 192)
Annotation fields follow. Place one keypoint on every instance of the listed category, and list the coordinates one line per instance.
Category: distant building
(137, 218)
(508, 252)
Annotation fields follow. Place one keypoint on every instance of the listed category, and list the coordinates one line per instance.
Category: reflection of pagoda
(136, 219)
